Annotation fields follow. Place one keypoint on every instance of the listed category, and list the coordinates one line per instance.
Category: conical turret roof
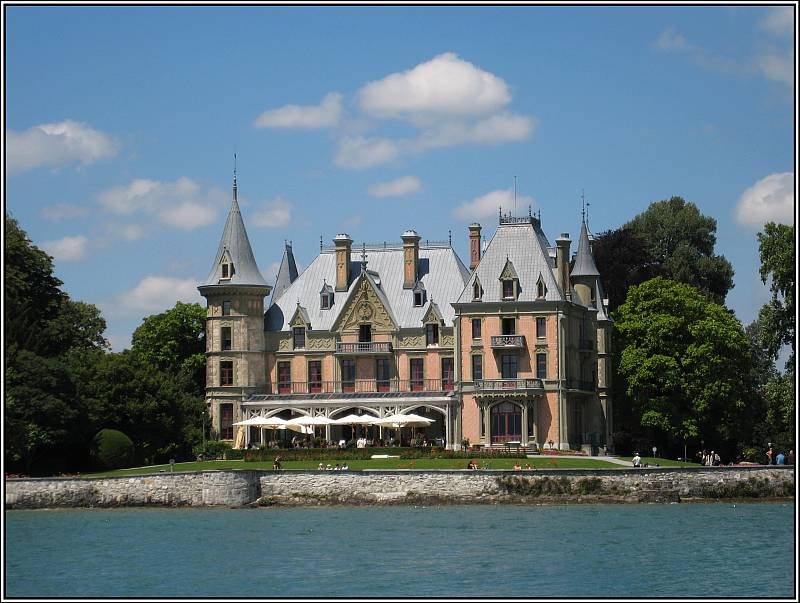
(234, 247)
(287, 273)
(584, 261)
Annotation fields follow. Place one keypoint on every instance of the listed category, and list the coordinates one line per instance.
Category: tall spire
(584, 261)
(235, 198)
(234, 252)
(287, 272)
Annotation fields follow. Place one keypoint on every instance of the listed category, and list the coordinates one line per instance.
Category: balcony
(586, 386)
(498, 387)
(364, 348)
(361, 386)
(508, 342)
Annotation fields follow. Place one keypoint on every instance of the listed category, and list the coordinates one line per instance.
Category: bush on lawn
(111, 449)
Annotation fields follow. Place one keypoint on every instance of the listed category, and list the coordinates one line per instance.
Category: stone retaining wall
(236, 488)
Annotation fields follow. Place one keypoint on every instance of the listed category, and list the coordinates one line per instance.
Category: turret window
(227, 339)
(226, 308)
(226, 372)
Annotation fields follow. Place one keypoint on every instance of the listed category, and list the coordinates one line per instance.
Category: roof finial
(583, 207)
(363, 257)
(450, 238)
(320, 242)
(234, 177)
(529, 211)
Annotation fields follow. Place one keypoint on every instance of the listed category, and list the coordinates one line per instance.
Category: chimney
(562, 264)
(343, 242)
(410, 258)
(474, 245)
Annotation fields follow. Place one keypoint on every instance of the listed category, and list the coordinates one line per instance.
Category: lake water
(689, 550)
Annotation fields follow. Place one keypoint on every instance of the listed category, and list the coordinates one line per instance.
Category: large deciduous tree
(685, 361)
(776, 248)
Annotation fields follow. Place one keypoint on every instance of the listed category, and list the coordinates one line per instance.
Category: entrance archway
(506, 423)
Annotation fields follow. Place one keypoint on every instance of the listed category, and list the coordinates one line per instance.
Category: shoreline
(242, 488)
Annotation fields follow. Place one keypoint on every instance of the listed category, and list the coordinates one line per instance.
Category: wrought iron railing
(580, 384)
(361, 386)
(508, 341)
(364, 347)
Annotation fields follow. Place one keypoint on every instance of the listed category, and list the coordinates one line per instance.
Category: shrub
(111, 449)
(213, 449)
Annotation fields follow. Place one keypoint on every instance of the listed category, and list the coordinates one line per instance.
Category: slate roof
(441, 271)
(287, 273)
(526, 246)
(234, 240)
(584, 261)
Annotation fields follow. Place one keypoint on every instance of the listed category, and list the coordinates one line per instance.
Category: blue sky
(122, 123)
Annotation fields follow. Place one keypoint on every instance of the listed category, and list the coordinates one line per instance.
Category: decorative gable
(433, 314)
(300, 318)
(508, 273)
(365, 305)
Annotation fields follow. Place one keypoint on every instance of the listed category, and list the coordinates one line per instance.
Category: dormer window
(432, 334)
(509, 281)
(226, 266)
(541, 288)
(326, 297)
(226, 271)
(299, 337)
(419, 295)
(477, 291)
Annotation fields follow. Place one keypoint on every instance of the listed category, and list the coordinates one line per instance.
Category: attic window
(419, 295)
(476, 291)
(541, 289)
(325, 301)
(227, 270)
(509, 289)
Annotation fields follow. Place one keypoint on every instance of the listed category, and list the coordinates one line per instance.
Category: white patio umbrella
(399, 421)
(306, 424)
(355, 420)
(264, 423)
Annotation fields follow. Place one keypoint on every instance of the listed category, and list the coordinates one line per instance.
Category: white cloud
(396, 188)
(359, 152)
(132, 232)
(771, 199)
(777, 67)
(64, 211)
(181, 203)
(68, 249)
(154, 294)
(324, 115)
(503, 127)
(273, 214)
(779, 21)
(56, 144)
(489, 204)
(444, 86)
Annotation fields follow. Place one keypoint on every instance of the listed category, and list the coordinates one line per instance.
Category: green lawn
(651, 460)
(543, 462)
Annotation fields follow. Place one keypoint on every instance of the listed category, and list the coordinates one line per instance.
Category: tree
(684, 360)
(174, 341)
(680, 240)
(776, 319)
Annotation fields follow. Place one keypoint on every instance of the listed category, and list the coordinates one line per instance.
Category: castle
(512, 350)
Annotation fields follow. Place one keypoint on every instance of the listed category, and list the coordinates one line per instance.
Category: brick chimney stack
(410, 258)
(562, 263)
(343, 243)
(474, 245)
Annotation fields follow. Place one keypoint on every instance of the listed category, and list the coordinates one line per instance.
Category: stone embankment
(237, 488)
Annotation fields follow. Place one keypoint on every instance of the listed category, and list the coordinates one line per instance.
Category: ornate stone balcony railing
(506, 386)
(508, 342)
(363, 347)
(361, 386)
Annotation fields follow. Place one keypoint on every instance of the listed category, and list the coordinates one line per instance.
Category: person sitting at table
(517, 466)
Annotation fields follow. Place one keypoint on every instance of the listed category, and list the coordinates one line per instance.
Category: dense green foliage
(777, 252)
(111, 449)
(62, 385)
(684, 361)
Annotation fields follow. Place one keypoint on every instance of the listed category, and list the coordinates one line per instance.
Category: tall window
(365, 333)
(284, 377)
(541, 366)
(299, 335)
(417, 374)
(509, 326)
(508, 289)
(476, 328)
(226, 421)
(348, 375)
(432, 334)
(508, 366)
(227, 341)
(541, 289)
(448, 374)
(226, 308)
(476, 290)
(541, 327)
(226, 372)
(225, 271)
(506, 421)
(382, 374)
(314, 376)
(477, 367)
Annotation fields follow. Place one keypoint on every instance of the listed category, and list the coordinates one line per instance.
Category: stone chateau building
(514, 348)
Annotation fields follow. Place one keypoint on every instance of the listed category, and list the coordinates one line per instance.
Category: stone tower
(234, 292)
